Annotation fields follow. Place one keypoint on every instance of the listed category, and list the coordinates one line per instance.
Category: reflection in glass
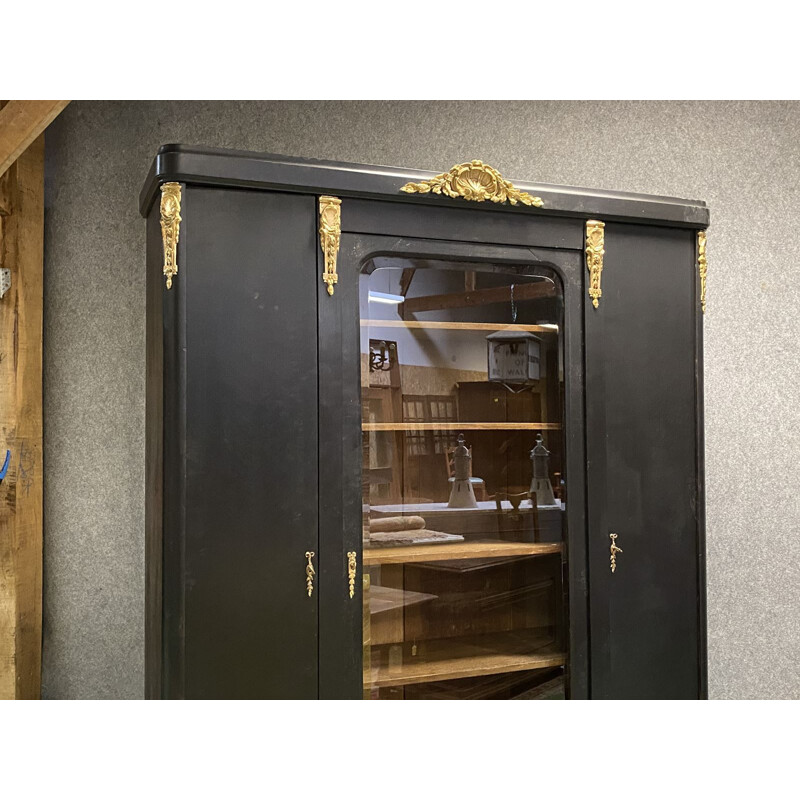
(462, 398)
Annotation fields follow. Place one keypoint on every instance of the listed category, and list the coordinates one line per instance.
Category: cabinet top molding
(236, 168)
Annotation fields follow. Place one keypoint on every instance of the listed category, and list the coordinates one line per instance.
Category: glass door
(462, 393)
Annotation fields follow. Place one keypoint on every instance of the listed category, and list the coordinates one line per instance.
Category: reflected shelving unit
(461, 599)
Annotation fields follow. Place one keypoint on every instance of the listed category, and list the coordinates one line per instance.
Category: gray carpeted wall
(742, 158)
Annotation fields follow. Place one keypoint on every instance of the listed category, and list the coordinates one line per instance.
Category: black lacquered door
(646, 608)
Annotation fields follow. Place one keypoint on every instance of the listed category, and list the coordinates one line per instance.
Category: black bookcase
(258, 470)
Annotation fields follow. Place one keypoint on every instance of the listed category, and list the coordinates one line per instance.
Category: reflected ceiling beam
(21, 123)
(480, 297)
(405, 280)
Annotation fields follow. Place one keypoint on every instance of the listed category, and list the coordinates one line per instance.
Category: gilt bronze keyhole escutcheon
(614, 550)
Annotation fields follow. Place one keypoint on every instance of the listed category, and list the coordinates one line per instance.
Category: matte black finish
(154, 462)
(642, 449)
(173, 436)
(340, 482)
(241, 449)
(254, 423)
(218, 167)
(701, 493)
(462, 224)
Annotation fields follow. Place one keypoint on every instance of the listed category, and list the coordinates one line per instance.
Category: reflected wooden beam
(21, 123)
(480, 297)
(405, 280)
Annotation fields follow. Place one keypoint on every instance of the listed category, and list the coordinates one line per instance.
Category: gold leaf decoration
(330, 234)
(170, 228)
(702, 267)
(595, 250)
(474, 181)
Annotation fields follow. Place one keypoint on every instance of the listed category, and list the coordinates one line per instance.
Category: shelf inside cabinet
(457, 551)
(460, 426)
(456, 326)
(388, 598)
(467, 657)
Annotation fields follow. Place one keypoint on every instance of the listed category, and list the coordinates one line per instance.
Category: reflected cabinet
(420, 437)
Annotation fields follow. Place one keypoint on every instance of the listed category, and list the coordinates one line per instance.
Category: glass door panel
(464, 502)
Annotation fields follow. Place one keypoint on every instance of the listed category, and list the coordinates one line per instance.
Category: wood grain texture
(465, 657)
(5, 194)
(21, 251)
(460, 550)
(481, 297)
(21, 122)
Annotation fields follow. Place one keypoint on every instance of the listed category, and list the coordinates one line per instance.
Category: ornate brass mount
(170, 228)
(595, 250)
(474, 180)
(310, 573)
(351, 572)
(614, 550)
(330, 234)
(702, 267)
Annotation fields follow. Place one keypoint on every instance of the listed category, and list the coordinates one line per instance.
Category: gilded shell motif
(474, 181)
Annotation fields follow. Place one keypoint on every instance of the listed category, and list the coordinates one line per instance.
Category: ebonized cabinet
(305, 446)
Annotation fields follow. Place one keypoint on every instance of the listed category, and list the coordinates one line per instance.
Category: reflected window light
(383, 297)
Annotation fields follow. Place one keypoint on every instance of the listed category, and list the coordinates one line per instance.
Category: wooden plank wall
(21, 251)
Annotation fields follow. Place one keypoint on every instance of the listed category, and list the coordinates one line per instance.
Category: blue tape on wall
(5, 465)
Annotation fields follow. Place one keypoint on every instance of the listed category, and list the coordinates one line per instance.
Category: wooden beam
(5, 187)
(21, 122)
(21, 251)
(405, 280)
(5, 194)
(480, 297)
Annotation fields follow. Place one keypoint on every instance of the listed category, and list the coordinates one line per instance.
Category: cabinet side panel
(154, 453)
(252, 444)
(701, 495)
(173, 438)
(642, 468)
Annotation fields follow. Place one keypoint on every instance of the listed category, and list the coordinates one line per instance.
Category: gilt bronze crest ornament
(474, 181)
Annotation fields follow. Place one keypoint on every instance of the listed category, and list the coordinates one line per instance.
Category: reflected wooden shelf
(460, 426)
(467, 657)
(388, 598)
(458, 550)
(456, 326)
